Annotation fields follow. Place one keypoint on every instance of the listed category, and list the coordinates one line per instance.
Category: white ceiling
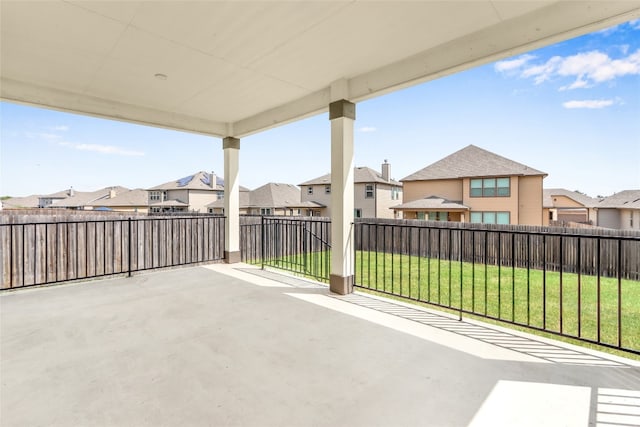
(237, 67)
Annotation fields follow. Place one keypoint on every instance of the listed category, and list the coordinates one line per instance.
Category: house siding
(384, 201)
(609, 218)
(318, 196)
(199, 199)
(530, 200)
(450, 189)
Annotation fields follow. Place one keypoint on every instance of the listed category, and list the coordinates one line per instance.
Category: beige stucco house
(474, 185)
(374, 193)
(559, 204)
(621, 211)
(270, 199)
(189, 194)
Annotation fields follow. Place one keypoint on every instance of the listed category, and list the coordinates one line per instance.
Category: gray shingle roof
(431, 203)
(270, 195)
(361, 174)
(469, 162)
(198, 181)
(87, 198)
(584, 200)
(627, 199)
(137, 197)
(21, 202)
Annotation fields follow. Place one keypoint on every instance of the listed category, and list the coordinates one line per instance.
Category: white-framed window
(327, 189)
(357, 213)
(490, 187)
(420, 215)
(309, 190)
(265, 211)
(158, 195)
(395, 193)
(368, 191)
(489, 217)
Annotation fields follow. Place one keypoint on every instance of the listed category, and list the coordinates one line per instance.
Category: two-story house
(474, 185)
(374, 193)
(192, 193)
(621, 211)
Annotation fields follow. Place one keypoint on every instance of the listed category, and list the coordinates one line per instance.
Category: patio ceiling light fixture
(160, 76)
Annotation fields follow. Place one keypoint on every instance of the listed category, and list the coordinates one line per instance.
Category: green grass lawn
(530, 298)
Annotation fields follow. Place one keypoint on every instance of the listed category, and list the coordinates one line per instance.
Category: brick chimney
(386, 171)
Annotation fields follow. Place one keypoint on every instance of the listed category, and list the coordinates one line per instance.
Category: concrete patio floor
(232, 345)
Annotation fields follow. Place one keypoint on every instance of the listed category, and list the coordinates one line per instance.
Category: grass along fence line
(604, 311)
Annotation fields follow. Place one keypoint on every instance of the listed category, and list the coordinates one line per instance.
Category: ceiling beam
(54, 99)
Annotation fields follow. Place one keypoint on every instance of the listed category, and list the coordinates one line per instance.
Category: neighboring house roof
(21, 202)
(584, 200)
(361, 174)
(627, 199)
(431, 203)
(270, 195)
(470, 162)
(87, 198)
(137, 197)
(198, 181)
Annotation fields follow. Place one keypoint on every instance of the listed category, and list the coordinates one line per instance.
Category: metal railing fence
(576, 285)
(297, 244)
(51, 252)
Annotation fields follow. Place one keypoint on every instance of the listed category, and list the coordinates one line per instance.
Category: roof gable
(584, 200)
(361, 175)
(627, 199)
(469, 162)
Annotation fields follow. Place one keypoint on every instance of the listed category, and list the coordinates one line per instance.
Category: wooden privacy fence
(37, 253)
(606, 253)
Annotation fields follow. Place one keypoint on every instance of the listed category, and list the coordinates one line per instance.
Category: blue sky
(571, 110)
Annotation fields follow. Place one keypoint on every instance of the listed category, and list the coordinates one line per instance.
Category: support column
(342, 114)
(231, 147)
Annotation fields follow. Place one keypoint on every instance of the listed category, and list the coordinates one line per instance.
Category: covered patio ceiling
(235, 68)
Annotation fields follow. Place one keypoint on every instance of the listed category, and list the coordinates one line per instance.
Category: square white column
(342, 116)
(231, 147)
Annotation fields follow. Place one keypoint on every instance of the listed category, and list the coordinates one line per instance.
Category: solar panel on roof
(206, 179)
(184, 181)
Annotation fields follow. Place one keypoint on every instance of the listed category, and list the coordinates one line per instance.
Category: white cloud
(60, 128)
(104, 149)
(588, 69)
(591, 104)
(513, 64)
(635, 24)
(367, 129)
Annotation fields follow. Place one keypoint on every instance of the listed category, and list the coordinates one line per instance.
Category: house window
(490, 187)
(368, 191)
(158, 195)
(490, 217)
(438, 216)
(309, 190)
(420, 215)
(265, 211)
(395, 193)
(327, 189)
(357, 213)
(220, 195)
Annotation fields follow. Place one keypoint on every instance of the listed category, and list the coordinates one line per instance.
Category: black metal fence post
(130, 251)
